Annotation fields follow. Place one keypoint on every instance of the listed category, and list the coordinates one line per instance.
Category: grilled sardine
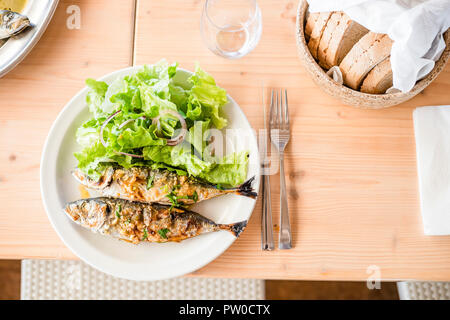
(12, 23)
(138, 222)
(155, 185)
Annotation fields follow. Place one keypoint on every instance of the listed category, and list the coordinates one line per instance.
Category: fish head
(102, 183)
(12, 23)
(89, 213)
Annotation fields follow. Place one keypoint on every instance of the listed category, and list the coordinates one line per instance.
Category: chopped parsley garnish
(193, 197)
(219, 186)
(173, 199)
(145, 234)
(118, 210)
(150, 179)
(163, 233)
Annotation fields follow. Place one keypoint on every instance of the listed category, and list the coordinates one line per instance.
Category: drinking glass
(231, 28)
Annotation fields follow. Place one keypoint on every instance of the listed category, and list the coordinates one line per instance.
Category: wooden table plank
(32, 95)
(351, 174)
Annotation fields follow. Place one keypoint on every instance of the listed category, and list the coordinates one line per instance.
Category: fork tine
(286, 109)
(276, 109)
(271, 110)
(281, 108)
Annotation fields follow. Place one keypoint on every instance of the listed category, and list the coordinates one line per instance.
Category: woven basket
(353, 97)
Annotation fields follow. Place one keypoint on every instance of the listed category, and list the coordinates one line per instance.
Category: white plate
(40, 13)
(147, 261)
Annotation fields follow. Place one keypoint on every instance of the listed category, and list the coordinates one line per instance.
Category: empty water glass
(231, 28)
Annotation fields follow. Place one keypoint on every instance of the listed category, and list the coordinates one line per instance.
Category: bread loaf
(379, 79)
(369, 51)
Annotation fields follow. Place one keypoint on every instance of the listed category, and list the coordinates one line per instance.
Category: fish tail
(246, 189)
(234, 228)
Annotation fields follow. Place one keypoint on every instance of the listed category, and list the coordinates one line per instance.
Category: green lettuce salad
(147, 119)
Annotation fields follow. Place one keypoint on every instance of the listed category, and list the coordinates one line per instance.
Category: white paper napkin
(415, 26)
(432, 131)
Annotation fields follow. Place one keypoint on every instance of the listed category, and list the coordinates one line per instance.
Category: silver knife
(266, 221)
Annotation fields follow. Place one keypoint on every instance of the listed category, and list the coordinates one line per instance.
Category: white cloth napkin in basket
(432, 132)
(415, 26)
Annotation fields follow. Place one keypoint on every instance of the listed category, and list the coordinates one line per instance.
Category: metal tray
(16, 48)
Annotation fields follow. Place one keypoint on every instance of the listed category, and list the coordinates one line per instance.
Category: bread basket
(352, 97)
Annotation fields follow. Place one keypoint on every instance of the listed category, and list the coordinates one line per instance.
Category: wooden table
(351, 174)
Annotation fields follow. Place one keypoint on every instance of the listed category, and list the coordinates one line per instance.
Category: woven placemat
(67, 280)
(416, 290)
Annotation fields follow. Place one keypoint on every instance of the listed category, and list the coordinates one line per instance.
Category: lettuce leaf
(96, 96)
(207, 97)
(230, 171)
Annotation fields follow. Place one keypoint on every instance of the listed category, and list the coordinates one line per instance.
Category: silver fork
(279, 135)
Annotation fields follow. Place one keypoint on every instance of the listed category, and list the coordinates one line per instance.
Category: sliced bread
(379, 79)
(369, 51)
(327, 36)
(317, 31)
(311, 19)
(338, 38)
